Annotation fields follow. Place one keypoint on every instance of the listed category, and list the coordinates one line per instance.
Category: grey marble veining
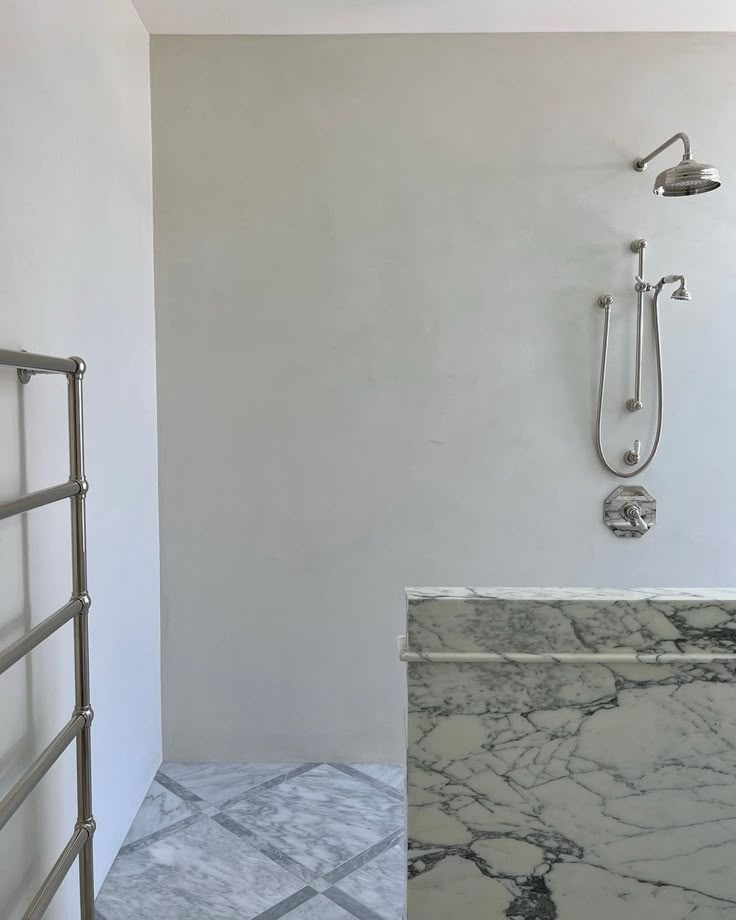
(161, 808)
(417, 595)
(566, 791)
(319, 908)
(379, 884)
(201, 872)
(321, 818)
(211, 866)
(391, 774)
(574, 622)
(218, 782)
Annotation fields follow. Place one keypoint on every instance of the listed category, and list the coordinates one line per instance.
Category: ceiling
(325, 17)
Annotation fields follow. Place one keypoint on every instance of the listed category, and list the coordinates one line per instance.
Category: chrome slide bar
(76, 609)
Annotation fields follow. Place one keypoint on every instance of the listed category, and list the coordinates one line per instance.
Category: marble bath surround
(569, 790)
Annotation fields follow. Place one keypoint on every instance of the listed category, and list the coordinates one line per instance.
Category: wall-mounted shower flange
(25, 375)
(630, 511)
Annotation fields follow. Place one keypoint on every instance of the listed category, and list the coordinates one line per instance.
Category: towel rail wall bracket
(77, 729)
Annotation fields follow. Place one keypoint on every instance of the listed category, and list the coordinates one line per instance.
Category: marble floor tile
(379, 884)
(319, 908)
(216, 783)
(202, 871)
(312, 828)
(389, 773)
(268, 849)
(347, 868)
(353, 907)
(160, 809)
(321, 818)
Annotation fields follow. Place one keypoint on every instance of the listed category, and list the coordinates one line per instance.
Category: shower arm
(641, 164)
(606, 302)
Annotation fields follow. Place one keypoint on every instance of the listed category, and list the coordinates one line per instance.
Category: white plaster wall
(76, 277)
(378, 260)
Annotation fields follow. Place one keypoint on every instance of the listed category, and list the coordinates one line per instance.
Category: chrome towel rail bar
(39, 499)
(28, 363)
(76, 609)
(672, 658)
(35, 637)
(28, 782)
(81, 838)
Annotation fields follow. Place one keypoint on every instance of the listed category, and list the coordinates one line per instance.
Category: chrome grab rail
(77, 728)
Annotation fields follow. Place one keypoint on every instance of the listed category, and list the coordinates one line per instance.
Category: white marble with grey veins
(541, 791)
(170, 879)
(160, 809)
(304, 841)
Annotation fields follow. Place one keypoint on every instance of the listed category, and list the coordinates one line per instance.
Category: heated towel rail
(78, 727)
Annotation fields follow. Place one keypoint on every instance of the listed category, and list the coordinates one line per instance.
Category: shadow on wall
(18, 742)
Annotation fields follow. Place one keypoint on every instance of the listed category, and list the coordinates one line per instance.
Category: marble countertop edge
(418, 594)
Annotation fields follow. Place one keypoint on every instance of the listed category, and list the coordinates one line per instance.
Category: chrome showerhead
(687, 178)
(682, 292)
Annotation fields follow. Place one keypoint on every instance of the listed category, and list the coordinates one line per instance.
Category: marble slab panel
(574, 620)
(570, 791)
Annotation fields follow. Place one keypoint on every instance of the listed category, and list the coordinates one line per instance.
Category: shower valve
(630, 511)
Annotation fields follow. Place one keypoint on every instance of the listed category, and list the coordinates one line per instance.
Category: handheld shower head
(687, 178)
(681, 292)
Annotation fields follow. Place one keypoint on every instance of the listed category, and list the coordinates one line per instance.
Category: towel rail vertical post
(78, 728)
(85, 820)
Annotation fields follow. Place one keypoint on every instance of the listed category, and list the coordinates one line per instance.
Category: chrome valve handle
(632, 513)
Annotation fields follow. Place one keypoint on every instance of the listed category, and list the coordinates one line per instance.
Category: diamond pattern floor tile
(218, 782)
(319, 908)
(160, 809)
(379, 884)
(241, 841)
(321, 818)
(389, 773)
(202, 871)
